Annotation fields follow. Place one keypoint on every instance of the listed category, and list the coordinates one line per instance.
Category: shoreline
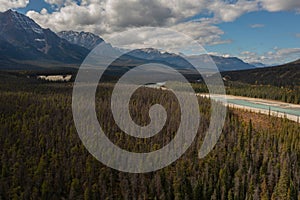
(265, 102)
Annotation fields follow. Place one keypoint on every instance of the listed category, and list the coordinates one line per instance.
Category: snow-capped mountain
(84, 39)
(231, 63)
(177, 61)
(21, 39)
(163, 57)
(153, 52)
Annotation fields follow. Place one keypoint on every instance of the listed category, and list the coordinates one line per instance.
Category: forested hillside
(281, 83)
(284, 94)
(42, 156)
(287, 75)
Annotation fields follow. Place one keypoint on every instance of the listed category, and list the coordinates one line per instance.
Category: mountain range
(26, 45)
(22, 42)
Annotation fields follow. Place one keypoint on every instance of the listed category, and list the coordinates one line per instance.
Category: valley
(38, 136)
(255, 154)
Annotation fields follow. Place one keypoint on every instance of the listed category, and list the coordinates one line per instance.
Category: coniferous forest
(42, 157)
(288, 94)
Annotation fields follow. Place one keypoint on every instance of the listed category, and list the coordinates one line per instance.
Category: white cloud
(109, 16)
(274, 57)
(150, 37)
(280, 5)
(287, 52)
(220, 54)
(228, 12)
(202, 31)
(257, 25)
(184, 37)
(74, 17)
(138, 13)
(11, 4)
(298, 35)
(115, 15)
(55, 2)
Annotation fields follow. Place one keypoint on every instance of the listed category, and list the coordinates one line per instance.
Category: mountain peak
(14, 14)
(20, 21)
(9, 11)
(153, 52)
(84, 39)
(23, 39)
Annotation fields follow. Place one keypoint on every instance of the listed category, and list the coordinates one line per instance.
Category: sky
(265, 31)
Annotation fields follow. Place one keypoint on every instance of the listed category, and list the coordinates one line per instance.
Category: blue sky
(36, 5)
(278, 29)
(259, 33)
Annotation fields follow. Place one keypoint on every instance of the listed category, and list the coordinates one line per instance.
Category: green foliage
(283, 93)
(42, 157)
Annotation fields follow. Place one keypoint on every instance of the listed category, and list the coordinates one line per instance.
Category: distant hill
(223, 64)
(258, 64)
(283, 75)
(231, 63)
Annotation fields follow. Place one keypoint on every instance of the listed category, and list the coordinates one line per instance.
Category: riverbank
(262, 106)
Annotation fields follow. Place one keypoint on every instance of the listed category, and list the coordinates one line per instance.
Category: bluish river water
(277, 108)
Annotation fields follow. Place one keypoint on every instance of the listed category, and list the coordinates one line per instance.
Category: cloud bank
(109, 16)
(11, 4)
(274, 57)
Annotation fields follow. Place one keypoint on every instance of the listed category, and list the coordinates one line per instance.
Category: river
(275, 108)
